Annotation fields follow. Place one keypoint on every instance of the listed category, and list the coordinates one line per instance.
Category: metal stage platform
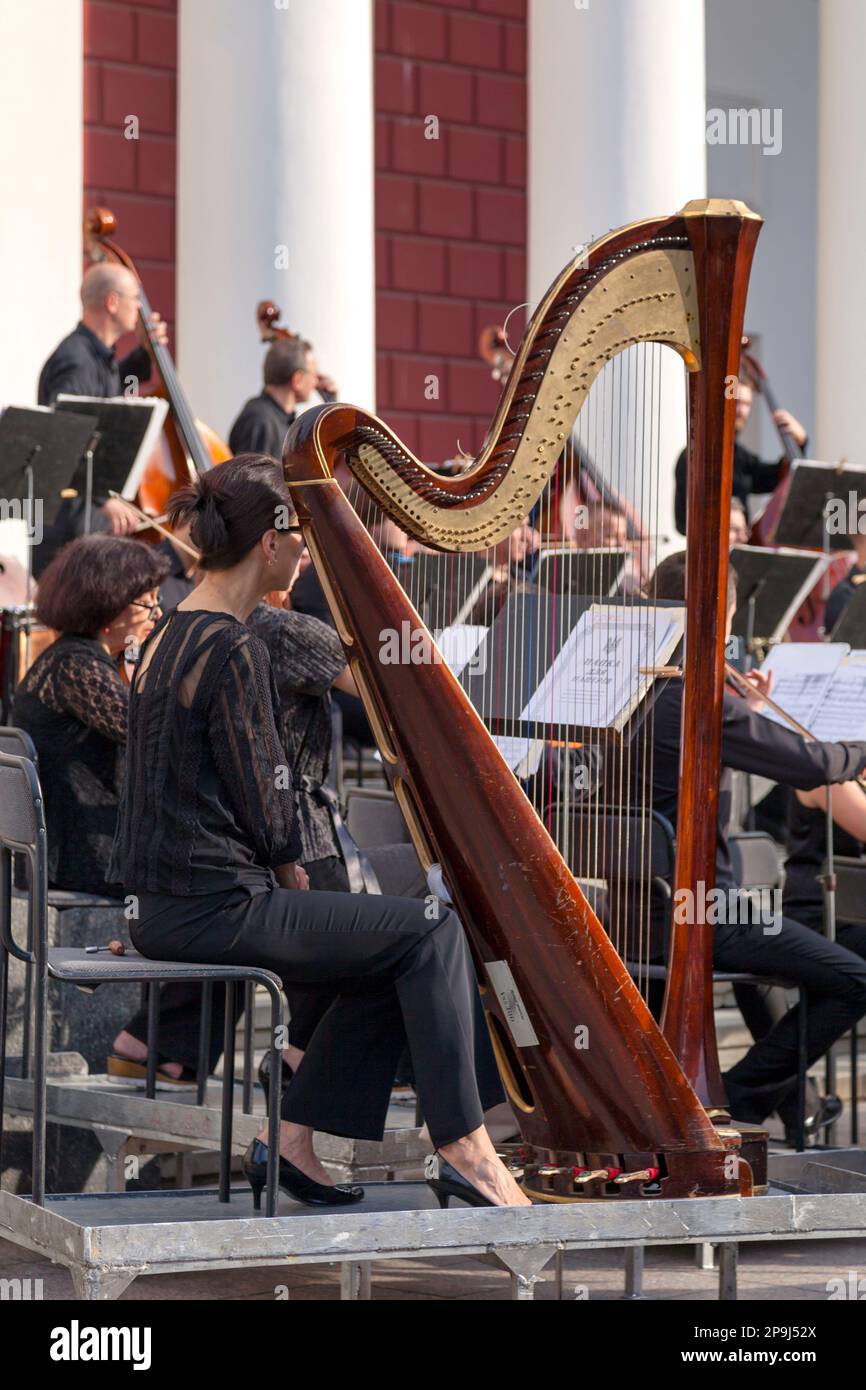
(125, 1121)
(107, 1240)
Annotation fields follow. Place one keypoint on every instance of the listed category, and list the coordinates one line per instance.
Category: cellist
(85, 364)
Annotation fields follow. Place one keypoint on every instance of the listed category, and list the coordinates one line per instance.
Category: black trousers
(834, 974)
(400, 974)
(399, 875)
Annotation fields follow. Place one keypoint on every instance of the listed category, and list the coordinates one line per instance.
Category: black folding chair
(22, 831)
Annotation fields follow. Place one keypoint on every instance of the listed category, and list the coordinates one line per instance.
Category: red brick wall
(130, 64)
(450, 213)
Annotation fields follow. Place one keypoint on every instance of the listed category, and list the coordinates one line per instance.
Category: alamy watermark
(740, 125)
(28, 510)
(734, 907)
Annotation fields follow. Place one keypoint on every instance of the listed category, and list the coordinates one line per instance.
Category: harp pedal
(582, 1175)
(642, 1175)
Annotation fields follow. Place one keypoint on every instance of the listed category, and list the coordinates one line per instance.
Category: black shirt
(750, 743)
(73, 704)
(82, 365)
(841, 596)
(207, 802)
(750, 475)
(803, 895)
(261, 427)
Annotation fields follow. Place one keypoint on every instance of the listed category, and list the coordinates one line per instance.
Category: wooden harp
(631, 1113)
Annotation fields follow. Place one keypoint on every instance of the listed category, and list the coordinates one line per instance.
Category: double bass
(188, 446)
(610, 1103)
(807, 623)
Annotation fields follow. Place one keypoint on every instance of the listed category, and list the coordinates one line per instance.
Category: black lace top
(207, 800)
(73, 704)
(306, 658)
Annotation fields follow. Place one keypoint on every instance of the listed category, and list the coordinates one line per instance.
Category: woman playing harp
(208, 842)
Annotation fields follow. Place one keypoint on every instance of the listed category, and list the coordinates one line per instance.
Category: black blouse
(207, 799)
(306, 658)
(73, 704)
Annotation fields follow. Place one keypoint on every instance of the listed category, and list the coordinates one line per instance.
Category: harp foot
(555, 1176)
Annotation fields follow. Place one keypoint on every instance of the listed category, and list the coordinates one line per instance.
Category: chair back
(22, 831)
(17, 742)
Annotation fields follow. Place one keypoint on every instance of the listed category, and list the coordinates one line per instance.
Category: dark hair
(669, 579)
(230, 508)
(284, 358)
(92, 579)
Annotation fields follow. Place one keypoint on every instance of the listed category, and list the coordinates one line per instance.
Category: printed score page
(604, 669)
(802, 673)
(842, 713)
(459, 643)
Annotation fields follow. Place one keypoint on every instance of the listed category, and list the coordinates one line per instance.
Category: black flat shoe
(264, 1075)
(293, 1181)
(446, 1182)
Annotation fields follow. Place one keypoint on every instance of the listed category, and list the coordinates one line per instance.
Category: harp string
(591, 787)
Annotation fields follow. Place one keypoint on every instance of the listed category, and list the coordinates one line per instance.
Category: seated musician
(219, 880)
(308, 661)
(290, 378)
(100, 593)
(751, 475)
(85, 364)
(840, 596)
(833, 971)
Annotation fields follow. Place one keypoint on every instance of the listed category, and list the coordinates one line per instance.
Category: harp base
(739, 1169)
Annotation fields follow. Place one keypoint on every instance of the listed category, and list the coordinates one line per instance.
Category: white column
(41, 178)
(275, 192)
(617, 132)
(841, 276)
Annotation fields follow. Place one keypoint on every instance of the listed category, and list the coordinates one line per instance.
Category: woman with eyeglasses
(208, 841)
(101, 594)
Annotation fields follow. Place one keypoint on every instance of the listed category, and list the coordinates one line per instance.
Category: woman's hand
(292, 876)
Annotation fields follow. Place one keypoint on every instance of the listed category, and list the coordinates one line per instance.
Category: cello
(188, 446)
(272, 331)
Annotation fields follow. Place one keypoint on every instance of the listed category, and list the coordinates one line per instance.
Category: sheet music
(459, 644)
(599, 677)
(522, 754)
(842, 713)
(802, 672)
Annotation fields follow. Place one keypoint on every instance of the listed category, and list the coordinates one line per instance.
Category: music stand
(128, 429)
(39, 454)
(851, 627)
(771, 586)
(811, 485)
(596, 570)
(438, 583)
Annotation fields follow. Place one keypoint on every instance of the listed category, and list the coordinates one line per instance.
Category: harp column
(841, 277)
(275, 192)
(617, 133)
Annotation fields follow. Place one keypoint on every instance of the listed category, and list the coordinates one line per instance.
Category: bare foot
(132, 1050)
(296, 1144)
(475, 1159)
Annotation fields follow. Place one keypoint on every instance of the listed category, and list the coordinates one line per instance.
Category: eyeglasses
(152, 608)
